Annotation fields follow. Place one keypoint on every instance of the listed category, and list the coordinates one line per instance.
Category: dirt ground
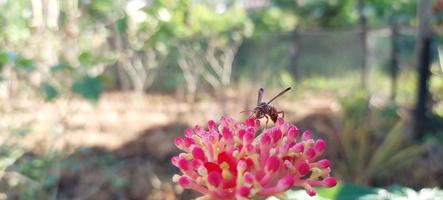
(120, 146)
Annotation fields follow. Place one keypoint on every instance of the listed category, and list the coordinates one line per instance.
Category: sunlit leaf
(85, 59)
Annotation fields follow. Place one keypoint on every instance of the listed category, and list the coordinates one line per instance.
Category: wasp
(265, 110)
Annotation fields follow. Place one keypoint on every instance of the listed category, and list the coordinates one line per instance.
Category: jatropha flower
(229, 161)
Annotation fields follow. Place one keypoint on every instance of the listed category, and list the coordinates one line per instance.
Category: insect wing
(260, 96)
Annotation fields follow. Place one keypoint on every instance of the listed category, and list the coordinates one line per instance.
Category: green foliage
(355, 107)
(11, 152)
(30, 178)
(161, 24)
(373, 144)
(102, 9)
(88, 87)
(8, 156)
(333, 14)
(14, 22)
(387, 11)
(49, 92)
(63, 79)
(204, 22)
(122, 24)
(24, 65)
(4, 59)
(319, 13)
(85, 59)
(345, 191)
(273, 20)
(356, 192)
(61, 67)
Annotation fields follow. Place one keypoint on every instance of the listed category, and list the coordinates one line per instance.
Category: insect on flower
(265, 110)
(237, 161)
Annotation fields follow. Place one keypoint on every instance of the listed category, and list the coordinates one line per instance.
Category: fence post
(424, 40)
(363, 39)
(394, 60)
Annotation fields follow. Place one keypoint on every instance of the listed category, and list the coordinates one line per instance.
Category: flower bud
(306, 135)
(184, 181)
(299, 147)
(276, 135)
(293, 131)
(273, 163)
(248, 177)
(198, 153)
(243, 191)
(324, 163)
(214, 178)
(329, 182)
(285, 183)
(250, 122)
(265, 140)
(311, 191)
(320, 145)
(226, 133)
(183, 164)
(212, 125)
(188, 132)
(310, 153)
(303, 168)
(248, 137)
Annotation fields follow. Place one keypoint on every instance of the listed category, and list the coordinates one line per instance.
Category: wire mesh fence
(335, 59)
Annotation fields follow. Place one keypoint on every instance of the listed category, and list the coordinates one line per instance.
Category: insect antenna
(279, 94)
(246, 111)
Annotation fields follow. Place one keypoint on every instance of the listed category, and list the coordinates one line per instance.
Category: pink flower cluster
(230, 162)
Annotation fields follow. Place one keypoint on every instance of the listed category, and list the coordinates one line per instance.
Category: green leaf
(25, 65)
(351, 192)
(339, 192)
(122, 24)
(61, 66)
(48, 91)
(345, 192)
(88, 87)
(6, 57)
(85, 59)
(102, 5)
(3, 59)
(20, 132)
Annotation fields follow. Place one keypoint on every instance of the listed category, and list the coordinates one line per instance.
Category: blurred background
(92, 92)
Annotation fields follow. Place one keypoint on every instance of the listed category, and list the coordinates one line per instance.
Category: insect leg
(282, 113)
(250, 115)
(267, 120)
